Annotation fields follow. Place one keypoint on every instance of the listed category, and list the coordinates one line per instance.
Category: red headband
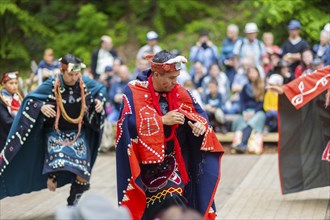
(164, 67)
(8, 76)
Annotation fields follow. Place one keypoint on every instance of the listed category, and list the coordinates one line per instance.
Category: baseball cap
(294, 24)
(151, 35)
(108, 68)
(251, 28)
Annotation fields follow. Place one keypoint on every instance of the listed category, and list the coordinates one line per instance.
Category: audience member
(213, 107)
(215, 74)
(283, 70)
(102, 57)
(189, 85)
(253, 117)
(204, 51)
(48, 67)
(294, 46)
(305, 66)
(271, 103)
(151, 47)
(268, 40)
(320, 49)
(250, 47)
(227, 55)
(198, 76)
(116, 92)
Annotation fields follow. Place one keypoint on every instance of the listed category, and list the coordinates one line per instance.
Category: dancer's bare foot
(51, 184)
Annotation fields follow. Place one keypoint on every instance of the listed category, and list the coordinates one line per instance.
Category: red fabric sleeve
(303, 89)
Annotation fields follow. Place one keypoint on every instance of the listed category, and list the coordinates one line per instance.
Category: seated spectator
(213, 107)
(116, 92)
(283, 69)
(271, 103)
(199, 74)
(239, 82)
(305, 66)
(150, 48)
(268, 40)
(48, 67)
(320, 49)
(189, 85)
(102, 57)
(204, 52)
(227, 55)
(253, 117)
(215, 74)
(317, 63)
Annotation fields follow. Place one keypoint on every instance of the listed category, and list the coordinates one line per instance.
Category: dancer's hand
(197, 128)
(173, 117)
(98, 106)
(275, 88)
(48, 111)
(51, 185)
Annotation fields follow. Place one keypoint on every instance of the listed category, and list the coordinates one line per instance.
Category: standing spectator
(305, 66)
(268, 40)
(116, 92)
(215, 74)
(250, 47)
(200, 73)
(253, 116)
(150, 48)
(294, 46)
(48, 67)
(227, 55)
(213, 107)
(271, 103)
(102, 57)
(204, 51)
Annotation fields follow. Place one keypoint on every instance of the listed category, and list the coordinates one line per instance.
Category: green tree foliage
(27, 27)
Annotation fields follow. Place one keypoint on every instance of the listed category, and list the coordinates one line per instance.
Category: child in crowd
(213, 107)
(271, 102)
(10, 101)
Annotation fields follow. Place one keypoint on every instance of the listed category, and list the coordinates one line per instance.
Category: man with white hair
(325, 33)
(227, 55)
(103, 56)
(250, 47)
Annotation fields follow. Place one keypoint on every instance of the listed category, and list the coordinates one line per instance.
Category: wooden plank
(228, 137)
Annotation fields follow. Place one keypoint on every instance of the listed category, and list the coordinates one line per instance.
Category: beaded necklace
(60, 110)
